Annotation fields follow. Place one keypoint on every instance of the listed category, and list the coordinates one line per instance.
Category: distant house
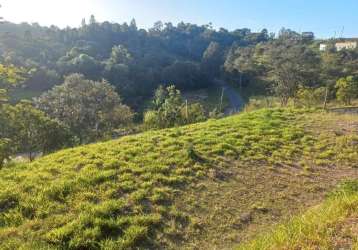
(307, 35)
(323, 47)
(346, 45)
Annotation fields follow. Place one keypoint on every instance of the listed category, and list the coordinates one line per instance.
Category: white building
(322, 47)
(346, 45)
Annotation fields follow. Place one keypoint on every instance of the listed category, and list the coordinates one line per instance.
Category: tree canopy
(89, 108)
(134, 60)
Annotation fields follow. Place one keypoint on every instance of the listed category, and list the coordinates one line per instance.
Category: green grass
(318, 228)
(123, 194)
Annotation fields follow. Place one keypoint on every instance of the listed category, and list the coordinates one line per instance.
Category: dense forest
(137, 61)
(134, 60)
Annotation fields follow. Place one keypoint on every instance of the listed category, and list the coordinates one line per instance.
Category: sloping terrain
(330, 225)
(210, 185)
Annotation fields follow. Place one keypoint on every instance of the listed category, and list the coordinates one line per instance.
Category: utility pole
(221, 99)
(325, 99)
(342, 31)
(186, 109)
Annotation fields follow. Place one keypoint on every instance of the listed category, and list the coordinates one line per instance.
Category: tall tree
(347, 89)
(9, 77)
(290, 64)
(86, 107)
(33, 132)
(213, 59)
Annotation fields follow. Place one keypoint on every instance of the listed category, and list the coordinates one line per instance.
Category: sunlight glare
(47, 12)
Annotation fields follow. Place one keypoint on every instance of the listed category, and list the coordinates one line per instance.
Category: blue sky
(324, 17)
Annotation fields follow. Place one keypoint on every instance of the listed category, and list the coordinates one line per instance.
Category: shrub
(192, 113)
(151, 119)
(347, 89)
(5, 150)
(310, 97)
(260, 102)
(169, 110)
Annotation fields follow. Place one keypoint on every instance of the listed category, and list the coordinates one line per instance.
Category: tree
(159, 97)
(169, 109)
(83, 23)
(34, 132)
(192, 113)
(92, 20)
(289, 65)
(5, 150)
(85, 64)
(185, 75)
(310, 97)
(9, 77)
(167, 104)
(89, 108)
(213, 59)
(133, 25)
(157, 27)
(347, 89)
(241, 64)
(287, 34)
(28, 130)
(152, 119)
(117, 68)
(120, 55)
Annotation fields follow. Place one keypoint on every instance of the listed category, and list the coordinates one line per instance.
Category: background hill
(134, 60)
(191, 57)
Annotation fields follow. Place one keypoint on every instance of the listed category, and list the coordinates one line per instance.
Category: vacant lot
(211, 185)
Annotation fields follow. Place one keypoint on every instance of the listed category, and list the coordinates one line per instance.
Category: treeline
(135, 61)
(294, 69)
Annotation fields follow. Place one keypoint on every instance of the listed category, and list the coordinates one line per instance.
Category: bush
(25, 129)
(347, 89)
(260, 102)
(169, 110)
(151, 119)
(310, 97)
(192, 113)
(5, 150)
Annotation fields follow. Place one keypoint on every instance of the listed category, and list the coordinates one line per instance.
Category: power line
(342, 32)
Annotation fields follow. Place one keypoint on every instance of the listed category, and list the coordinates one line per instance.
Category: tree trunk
(31, 156)
(325, 99)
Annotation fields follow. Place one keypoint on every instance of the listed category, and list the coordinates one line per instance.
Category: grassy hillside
(208, 185)
(331, 225)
